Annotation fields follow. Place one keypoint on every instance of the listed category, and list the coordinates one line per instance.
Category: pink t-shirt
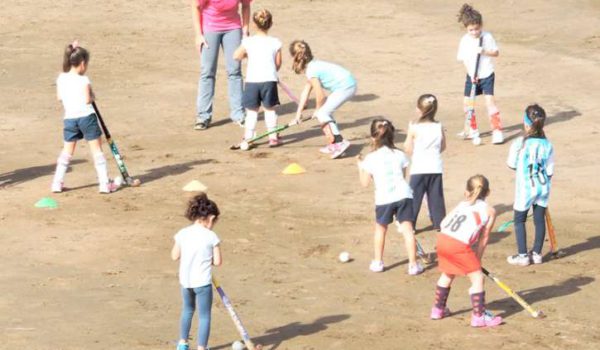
(221, 15)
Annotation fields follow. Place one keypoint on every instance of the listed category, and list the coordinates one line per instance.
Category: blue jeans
(230, 41)
(539, 215)
(201, 296)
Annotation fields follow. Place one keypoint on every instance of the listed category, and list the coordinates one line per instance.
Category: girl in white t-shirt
(386, 166)
(425, 142)
(75, 91)
(477, 43)
(197, 248)
(470, 222)
(264, 60)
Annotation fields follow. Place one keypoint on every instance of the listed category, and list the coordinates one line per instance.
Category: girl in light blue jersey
(532, 158)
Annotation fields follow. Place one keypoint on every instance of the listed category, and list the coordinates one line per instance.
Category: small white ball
(118, 180)
(237, 345)
(477, 141)
(244, 146)
(344, 257)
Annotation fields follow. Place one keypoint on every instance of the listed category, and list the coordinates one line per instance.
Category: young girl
(425, 142)
(386, 165)
(471, 220)
(198, 248)
(323, 75)
(264, 60)
(533, 159)
(74, 90)
(468, 51)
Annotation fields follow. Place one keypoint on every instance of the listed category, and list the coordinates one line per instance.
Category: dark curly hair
(468, 16)
(201, 207)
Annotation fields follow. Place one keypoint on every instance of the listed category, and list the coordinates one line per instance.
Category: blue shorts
(256, 94)
(402, 209)
(79, 128)
(484, 86)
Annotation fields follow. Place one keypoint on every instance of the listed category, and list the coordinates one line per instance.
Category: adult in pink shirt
(217, 23)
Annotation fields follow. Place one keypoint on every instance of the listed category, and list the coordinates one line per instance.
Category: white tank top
(464, 223)
(427, 155)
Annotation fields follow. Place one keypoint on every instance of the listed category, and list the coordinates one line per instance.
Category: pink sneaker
(487, 319)
(327, 149)
(339, 148)
(275, 142)
(438, 314)
(110, 187)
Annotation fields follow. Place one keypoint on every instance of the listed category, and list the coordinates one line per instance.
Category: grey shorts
(79, 128)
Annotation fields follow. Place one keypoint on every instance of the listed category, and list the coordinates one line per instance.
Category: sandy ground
(95, 273)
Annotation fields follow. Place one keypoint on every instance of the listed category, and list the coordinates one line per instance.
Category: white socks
(62, 164)
(101, 169)
(250, 124)
(271, 122)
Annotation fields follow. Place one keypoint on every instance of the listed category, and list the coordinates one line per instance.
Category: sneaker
(109, 187)
(327, 149)
(536, 258)
(487, 319)
(240, 122)
(518, 259)
(57, 188)
(339, 148)
(376, 266)
(275, 142)
(203, 125)
(415, 269)
(497, 137)
(182, 346)
(438, 314)
(468, 135)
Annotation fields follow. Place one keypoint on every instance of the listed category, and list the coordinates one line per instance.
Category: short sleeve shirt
(261, 52)
(332, 76)
(467, 53)
(195, 267)
(464, 223)
(221, 15)
(72, 90)
(386, 166)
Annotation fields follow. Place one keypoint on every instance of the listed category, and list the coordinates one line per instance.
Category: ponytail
(74, 55)
(382, 133)
(301, 55)
(478, 187)
(428, 105)
(469, 16)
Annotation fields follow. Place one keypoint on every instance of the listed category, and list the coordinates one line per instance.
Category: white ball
(118, 180)
(344, 257)
(237, 345)
(477, 141)
(244, 146)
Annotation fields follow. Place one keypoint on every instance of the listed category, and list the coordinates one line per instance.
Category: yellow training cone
(195, 186)
(293, 169)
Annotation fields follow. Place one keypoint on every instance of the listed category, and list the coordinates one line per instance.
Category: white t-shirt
(71, 88)
(385, 166)
(464, 223)
(261, 52)
(195, 267)
(467, 53)
(427, 149)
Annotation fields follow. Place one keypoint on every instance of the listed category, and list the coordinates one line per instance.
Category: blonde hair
(428, 105)
(478, 187)
(263, 19)
(301, 55)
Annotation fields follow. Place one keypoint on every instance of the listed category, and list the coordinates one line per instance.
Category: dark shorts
(402, 210)
(256, 94)
(484, 86)
(79, 128)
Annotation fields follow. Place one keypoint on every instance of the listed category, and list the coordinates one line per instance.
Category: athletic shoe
(536, 258)
(57, 188)
(109, 187)
(487, 319)
(201, 125)
(415, 269)
(240, 122)
(376, 266)
(438, 314)
(275, 142)
(518, 259)
(327, 149)
(183, 346)
(468, 135)
(497, 137)
(339, 148)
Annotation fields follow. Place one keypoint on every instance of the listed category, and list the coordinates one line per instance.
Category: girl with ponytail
(532, 158)
(386, 166)
(470, 222)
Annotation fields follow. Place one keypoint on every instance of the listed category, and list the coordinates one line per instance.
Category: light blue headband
(527, 120)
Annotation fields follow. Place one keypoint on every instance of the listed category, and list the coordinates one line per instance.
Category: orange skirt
(455, 257)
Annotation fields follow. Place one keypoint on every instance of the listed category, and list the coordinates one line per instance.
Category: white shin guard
(271, 122)
(250, 124)
(62, 164)
(101, 168)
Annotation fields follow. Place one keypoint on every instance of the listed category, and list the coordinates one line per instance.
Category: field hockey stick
(234, 316)
(552, 237)
(277, 129)
(471, 103)
(508, 223)
(515, 296)
(421, 253)
(115, 151)
(288, 92)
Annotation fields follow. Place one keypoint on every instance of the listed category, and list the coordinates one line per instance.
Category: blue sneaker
(183, 346)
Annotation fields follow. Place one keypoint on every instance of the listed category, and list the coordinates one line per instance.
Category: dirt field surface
(96, 273)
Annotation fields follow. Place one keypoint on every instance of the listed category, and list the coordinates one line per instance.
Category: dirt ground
(96, 274)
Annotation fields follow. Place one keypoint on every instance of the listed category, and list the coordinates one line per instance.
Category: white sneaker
(57, 187)
(339, 148)
(326, 149)
(518, 259)
(108, 188)
(376, 266)
(497, 137)
(536, 258)
(415, 269)
(468, 135)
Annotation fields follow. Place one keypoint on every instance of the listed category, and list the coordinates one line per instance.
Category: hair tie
(527, 120)
(75, 44)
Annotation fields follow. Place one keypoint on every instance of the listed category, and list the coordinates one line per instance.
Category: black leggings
(539, 214)
(432, 185)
